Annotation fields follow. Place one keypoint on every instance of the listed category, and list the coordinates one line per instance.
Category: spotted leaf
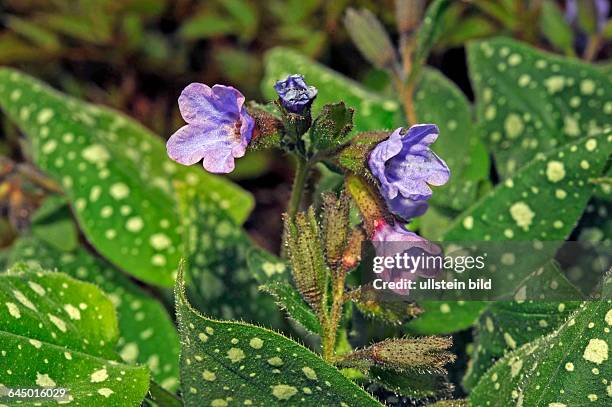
(542, 201)
(290, 301)
(144, 325)
(530, 101)
(225, 363)
(505, 326)
(568, 367)
(115, 173)
(439, 101)
(267, 267)
(373, 111)
(59, 332)
(216, 248)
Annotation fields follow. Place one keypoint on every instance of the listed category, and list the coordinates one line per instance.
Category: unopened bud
(426, 354)
(371, 38)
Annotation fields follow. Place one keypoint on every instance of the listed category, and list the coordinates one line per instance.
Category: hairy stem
(331, 322)
(162, 397)
(297, 190)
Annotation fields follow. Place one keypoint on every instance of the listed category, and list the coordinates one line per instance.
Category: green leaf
(444, 317)
(505, 325)
(266, 267)
(216, 248)
(439, 101)
(52, 223)
(521, 208)
(554, 27)
(145, 327)
(205, 26)
(372, 111)
(568, 367)
(330, 128)
(412, 384)
(371, 38)
(290, 301)
(59, 332)
(38, 35)
(225, 363)
(528, 101)
(430, 30)
(115, 173)
(542, 201)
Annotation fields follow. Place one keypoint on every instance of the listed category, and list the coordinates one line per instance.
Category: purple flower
(602, 9)
(391, 240)
(294, 94)
(218, 127)
(405, 167)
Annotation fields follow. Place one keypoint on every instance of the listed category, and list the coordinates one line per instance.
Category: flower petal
(199, 104)
(189, 144)
(219, 160)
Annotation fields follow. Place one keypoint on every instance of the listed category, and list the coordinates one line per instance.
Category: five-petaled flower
(405, 166)
(295, 95)
(218, 128)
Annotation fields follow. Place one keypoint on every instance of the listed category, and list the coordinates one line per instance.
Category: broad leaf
(543, 201)
(439, 101)
(115, 173)
(530, 101)
(372, 111)
(216, 248)
(146, 333)
(59, 332)
(505, 325)
(569, 367)
(290, 301)
(225, 363)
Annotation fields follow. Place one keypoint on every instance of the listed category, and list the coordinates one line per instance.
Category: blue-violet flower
(405, 167)
(295, 95)
(218, 128)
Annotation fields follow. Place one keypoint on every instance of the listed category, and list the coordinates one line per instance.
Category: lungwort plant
(86, 302)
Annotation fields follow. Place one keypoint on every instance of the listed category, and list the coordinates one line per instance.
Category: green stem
(297, 191)
(162, 397)
(330, 324)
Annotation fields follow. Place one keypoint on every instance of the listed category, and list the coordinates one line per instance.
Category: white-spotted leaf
(568, 367)
(59, 332)
(147, 335)
(226, 363)
(529, 101)
(115, 173)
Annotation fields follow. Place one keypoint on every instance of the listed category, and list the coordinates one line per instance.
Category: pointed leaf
(224, 363)
(567, 367)
(505, 325)
(290, 301)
